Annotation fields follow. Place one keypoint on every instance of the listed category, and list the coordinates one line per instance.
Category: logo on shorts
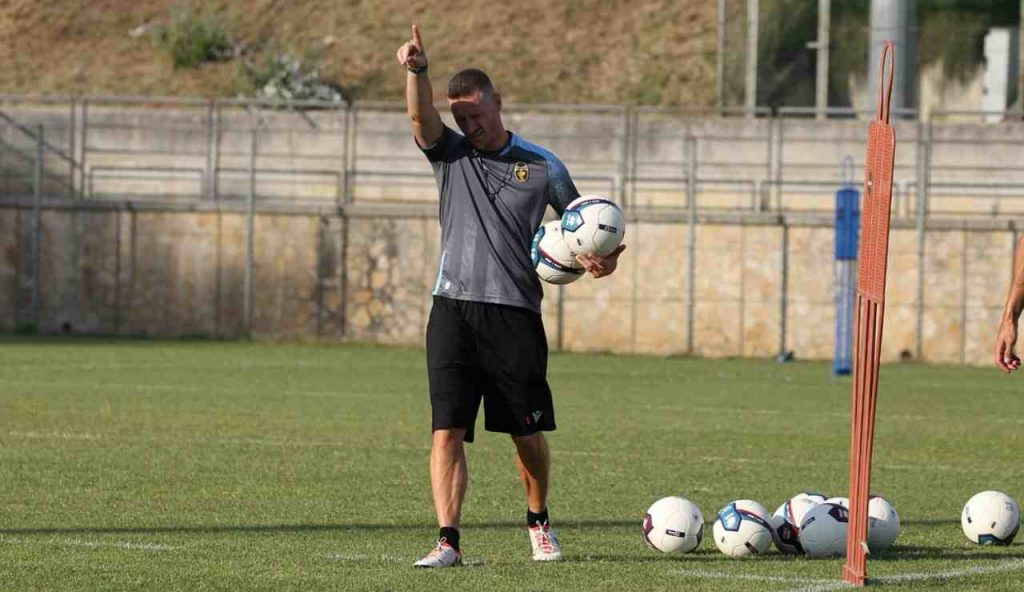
(536, 416)
(522, 172)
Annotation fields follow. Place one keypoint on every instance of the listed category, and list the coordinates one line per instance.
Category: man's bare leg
(448, 475)
(448, 479)
(533, 460)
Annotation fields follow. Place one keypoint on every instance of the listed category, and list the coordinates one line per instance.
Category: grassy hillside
(589, 51)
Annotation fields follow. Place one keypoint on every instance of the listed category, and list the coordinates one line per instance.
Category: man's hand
(599, 266)
(1006, 338)
(411, 54)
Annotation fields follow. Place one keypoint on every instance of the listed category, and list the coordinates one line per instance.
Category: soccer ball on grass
(742, 529)
(673, 525)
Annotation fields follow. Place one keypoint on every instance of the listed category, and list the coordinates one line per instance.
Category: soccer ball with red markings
(742, 529)
(786, 523)
(823, 530)
(593, 224)
(990, 518)
(552, 258)
(673, 525)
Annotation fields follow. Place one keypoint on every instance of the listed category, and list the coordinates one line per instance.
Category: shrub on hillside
(194, 38)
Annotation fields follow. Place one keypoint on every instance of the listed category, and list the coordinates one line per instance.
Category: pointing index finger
(416, 36)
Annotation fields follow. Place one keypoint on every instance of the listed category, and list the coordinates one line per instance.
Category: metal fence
(167, 151)
(953, 170)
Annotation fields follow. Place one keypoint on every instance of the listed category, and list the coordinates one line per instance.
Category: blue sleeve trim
(561, 189)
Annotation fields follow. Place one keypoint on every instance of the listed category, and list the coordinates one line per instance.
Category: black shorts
(498, 353)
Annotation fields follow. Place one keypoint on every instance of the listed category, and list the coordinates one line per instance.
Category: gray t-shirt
(491, 204)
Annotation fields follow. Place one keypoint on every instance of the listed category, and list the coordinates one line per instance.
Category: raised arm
(419, 96)
(1006, 337)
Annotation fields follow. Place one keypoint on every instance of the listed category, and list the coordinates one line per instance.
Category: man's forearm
(1015, 297)
(419, 97)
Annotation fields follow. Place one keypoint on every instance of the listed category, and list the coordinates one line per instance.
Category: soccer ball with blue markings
(593, 225)
(823, 530)
(990, 518)
(673, 525)
(551, 256)
(742, 529)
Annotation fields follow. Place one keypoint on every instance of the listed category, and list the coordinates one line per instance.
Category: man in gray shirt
(485, 338)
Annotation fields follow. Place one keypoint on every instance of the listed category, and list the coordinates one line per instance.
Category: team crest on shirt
(521, 171)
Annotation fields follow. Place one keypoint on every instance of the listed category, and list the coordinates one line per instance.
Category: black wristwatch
(419, 70)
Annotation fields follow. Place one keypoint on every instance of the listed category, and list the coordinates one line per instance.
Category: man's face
(479, 117)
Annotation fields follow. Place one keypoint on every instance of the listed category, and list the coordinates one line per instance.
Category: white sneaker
(545, 543)
(443, 555)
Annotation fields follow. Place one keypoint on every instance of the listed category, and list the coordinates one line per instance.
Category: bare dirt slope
(586, 51)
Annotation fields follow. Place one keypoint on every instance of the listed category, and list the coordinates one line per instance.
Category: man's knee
(449, 438)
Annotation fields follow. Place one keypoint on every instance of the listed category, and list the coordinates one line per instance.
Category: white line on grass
(822, 585)
(132, 546)
(54, 434)
(1011, 565)
(724, 575)
(359, 557)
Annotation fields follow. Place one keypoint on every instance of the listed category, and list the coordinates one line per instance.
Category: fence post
(783, 292)
(561, 318)
(82, 170)
(71, 147)
(691, 247)
(349, 160)
(250, 214)
(924, 135)
(624, 155)
(964, 275)
(37, 195)
(211, 148)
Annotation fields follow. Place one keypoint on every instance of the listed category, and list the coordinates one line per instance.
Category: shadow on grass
(257, 528)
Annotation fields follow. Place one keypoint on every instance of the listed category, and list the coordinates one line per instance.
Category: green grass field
(235, 466)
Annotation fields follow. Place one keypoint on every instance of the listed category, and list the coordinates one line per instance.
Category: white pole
(751, 79)
(821, 82)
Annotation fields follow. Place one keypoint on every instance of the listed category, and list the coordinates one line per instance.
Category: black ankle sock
(536, 518)
(451, 535)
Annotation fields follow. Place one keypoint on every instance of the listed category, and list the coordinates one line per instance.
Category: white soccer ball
(673, 525)
(592, 224)
(817, 496)
(742, 529)
(551, 256)
(839, 501)
(990, 518)
(823, 530)
(883, 524)
(786, 523)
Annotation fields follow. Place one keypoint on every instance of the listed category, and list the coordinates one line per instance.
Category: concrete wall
(200, 152)
(368, 278)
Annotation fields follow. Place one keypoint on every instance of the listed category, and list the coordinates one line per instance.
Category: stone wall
(367, 277)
